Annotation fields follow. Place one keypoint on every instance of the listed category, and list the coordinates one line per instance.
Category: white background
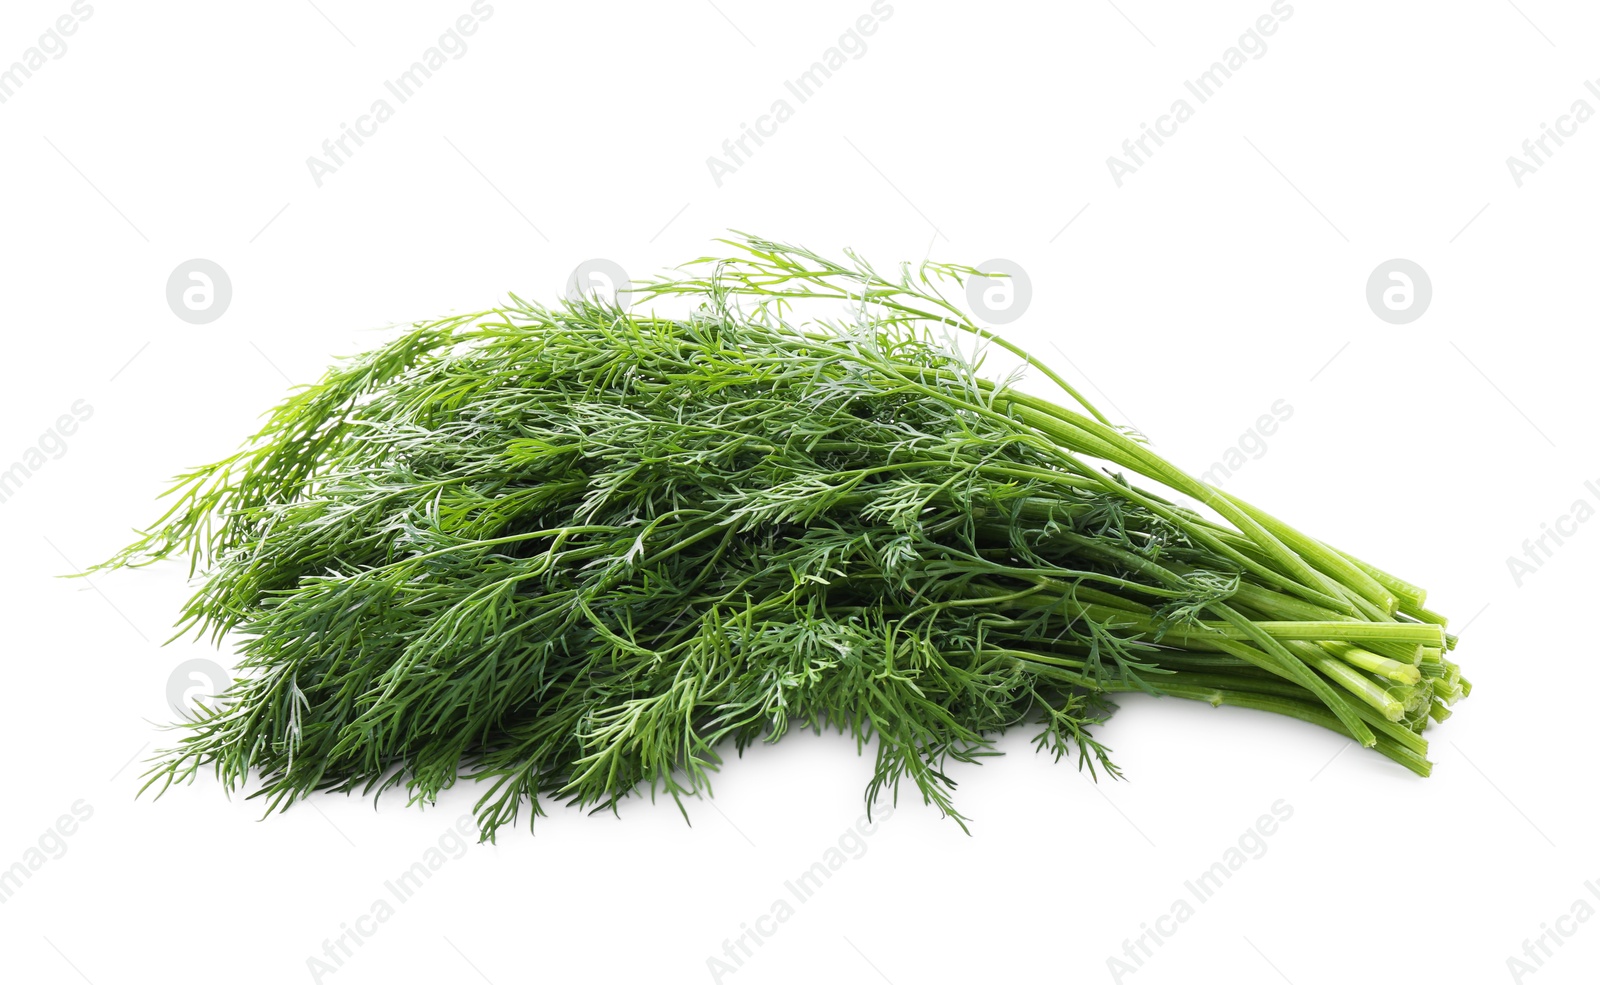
(1224, 275)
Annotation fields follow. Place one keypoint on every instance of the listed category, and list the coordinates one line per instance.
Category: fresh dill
(575, 552)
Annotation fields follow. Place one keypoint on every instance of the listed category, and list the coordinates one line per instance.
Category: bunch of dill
(573, 552)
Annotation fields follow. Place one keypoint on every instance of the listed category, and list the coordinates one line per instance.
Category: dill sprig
(576, 552)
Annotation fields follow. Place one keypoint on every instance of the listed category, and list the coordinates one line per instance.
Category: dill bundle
(573, 552)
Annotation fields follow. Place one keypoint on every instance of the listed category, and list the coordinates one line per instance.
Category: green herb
(574, 552)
